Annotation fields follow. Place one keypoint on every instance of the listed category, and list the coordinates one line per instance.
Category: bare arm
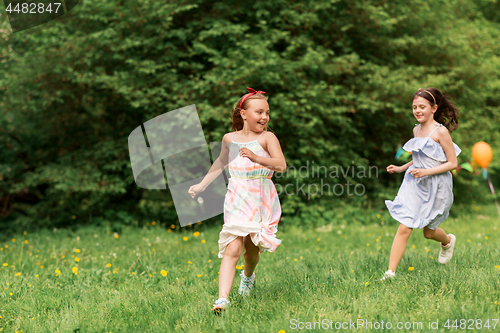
(217, 168)
(219, 165)
(406, 166)
(447, 144)
(277, 160)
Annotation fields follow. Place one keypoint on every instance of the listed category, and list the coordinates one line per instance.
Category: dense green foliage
(340, 75)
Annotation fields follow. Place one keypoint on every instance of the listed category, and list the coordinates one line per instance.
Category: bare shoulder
(227, 137)
(269, 136)
(442, 134)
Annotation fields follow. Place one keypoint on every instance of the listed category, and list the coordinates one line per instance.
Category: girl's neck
(245, 132)
(429, 124)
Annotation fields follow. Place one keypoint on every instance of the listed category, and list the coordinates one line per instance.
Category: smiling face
(422, 110)
(256, 114)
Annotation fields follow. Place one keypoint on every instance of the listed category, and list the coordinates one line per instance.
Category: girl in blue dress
(425, 196)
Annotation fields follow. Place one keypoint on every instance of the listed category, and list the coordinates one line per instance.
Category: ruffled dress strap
(438, 125)
(429, 147)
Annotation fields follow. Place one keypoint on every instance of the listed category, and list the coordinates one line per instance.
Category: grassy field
(157, 280)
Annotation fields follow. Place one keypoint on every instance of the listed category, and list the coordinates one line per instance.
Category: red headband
(251, 92)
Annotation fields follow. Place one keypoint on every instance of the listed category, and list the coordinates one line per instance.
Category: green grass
(325, 274)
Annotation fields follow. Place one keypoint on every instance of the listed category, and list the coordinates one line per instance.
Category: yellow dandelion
(25, 241)
(189, 262)
(379, 247)
(411, 268)
(196, 234)
(36, 275)
(203, 241)
(116, 235)
(281, 331)
(413, 246)
(468, 241)
(18, 274)
(378, 216)
(57, 271)
(164, 273)
(318, 240)
(486, 237)
(169, 230)
(147, 224)
(5, 264)
(77, 250)
(209, 260)
(184, 238)
(75, 270)
(109, 265)
(428, 250)
(198, 275)
(150, 275)
(367, 244)
(29, 285)
(77, 259)
(133, 273)
(172, 226)
(377, 240)
(41, 266)
(153, 223)
(10, 294)
(295, 259)
(367, 283)
(199, 222)
(431, 257)
(13, 239)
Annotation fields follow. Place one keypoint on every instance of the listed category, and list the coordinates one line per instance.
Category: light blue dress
(425, 201)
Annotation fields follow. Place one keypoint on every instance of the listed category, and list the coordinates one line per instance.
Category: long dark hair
(236, 117)
(447, 114)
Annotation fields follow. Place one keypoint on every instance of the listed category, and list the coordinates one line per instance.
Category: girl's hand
(245, 152)
(392, 168)
(418, 173)
(195, 189)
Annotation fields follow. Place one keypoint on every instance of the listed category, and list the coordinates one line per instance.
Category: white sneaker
(221, 305)
(246, 284)
(388, 275)
(446, 253)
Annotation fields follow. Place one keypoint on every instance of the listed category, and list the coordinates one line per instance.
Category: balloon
(482, 154)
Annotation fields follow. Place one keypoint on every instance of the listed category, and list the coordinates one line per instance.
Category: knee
(233, 249)
(404, 230)
(428, 233)
(252, 255)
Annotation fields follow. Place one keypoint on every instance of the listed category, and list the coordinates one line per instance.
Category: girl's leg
(251, 255)
(399, 246)
(228, 266)
(437, 235)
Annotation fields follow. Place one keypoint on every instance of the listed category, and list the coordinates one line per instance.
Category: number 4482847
(32, 8)
(471, 324)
